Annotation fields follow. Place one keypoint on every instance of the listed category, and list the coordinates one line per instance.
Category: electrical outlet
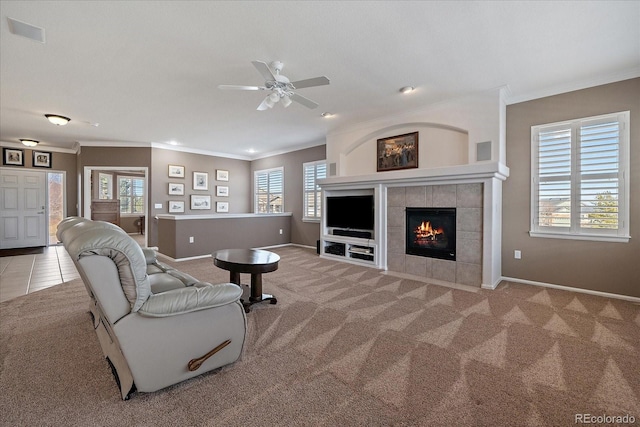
(191, 239)
(517, 254)
(281, 231)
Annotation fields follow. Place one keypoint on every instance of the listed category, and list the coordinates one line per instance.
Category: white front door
(23, 198)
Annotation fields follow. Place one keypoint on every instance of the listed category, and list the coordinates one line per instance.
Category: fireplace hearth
(431, 232)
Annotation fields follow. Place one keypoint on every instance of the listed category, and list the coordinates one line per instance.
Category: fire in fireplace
(431, 232)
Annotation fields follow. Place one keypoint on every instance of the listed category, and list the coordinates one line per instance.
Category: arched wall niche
(438, 145)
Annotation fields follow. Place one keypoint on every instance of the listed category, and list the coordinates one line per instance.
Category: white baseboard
(572, 289)
(183, 259)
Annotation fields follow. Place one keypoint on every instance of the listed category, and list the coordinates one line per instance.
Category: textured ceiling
(148, 72)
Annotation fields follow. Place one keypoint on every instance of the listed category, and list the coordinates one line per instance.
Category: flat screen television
(350, 212)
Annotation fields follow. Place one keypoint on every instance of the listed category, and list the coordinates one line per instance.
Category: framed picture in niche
(222, 191)
(222, 206)
(41, 159)
(176, 171)
(176, 189)
(176, 206)
(12, 156)
(200, 202)
(222, 175)
(200, 181)
(398, 152)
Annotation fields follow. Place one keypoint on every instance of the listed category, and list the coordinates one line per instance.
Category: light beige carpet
(345, 345)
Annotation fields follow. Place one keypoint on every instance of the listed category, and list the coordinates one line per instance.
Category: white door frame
(86, 211)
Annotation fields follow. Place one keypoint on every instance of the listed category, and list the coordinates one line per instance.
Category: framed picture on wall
(176, 206)
(200, 202)
(12, 156)
(222, 206)
(176, 189)
(176, 171)
(41, 159)
(398, 152)
(222, 175)
(222, 191)
(200, 181)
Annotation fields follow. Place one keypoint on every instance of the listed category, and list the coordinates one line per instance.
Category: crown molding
(39, 147)
(162, 146)
(575, 85)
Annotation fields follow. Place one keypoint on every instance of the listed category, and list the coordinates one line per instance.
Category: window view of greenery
(131, 192)
(588, 196)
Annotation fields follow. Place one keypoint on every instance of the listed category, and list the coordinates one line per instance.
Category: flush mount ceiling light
(327, 115)
(407, 89)
(29, 142)
(57, 120)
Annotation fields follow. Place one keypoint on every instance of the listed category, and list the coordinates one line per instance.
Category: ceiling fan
(280, 86)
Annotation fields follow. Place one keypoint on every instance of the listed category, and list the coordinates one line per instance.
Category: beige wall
(599, 266)
(302, 233)
(239, 184)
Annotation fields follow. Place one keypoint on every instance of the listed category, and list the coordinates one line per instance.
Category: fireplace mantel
(489, 174)
(477, 172)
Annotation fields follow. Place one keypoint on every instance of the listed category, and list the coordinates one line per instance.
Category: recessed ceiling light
(29, 142)
(407, 89)
(251, 150)
(327, 115)
(57, 120)
(173, 142)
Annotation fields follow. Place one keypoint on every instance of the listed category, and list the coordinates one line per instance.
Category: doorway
(88, 190)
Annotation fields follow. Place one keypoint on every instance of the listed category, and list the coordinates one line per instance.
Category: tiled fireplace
(466, 200)
(474, 191)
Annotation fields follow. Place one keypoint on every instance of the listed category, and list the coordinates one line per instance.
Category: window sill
(591, 237)
(316, 220)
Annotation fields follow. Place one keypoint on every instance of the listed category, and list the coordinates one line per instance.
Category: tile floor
(21, 275)
(24, 274)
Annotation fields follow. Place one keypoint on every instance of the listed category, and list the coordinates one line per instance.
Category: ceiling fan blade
(264, 69)
(316, 81)
(304, 101)
(238, 87)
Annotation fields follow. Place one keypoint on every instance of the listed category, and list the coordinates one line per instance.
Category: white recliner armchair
(156, 325)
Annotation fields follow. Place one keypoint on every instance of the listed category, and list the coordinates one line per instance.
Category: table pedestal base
(256, 294)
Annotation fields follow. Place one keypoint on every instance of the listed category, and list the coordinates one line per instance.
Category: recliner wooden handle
(196, 363)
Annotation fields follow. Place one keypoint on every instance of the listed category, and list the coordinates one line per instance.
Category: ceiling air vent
(26, 30)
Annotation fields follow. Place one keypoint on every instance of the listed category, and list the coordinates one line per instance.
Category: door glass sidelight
(55, 201)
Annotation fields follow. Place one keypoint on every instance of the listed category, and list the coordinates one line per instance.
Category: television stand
(349, 249)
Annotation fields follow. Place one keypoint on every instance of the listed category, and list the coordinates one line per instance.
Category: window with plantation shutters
(580, 169)
(131, 195)
(269, 191)
(312, 195)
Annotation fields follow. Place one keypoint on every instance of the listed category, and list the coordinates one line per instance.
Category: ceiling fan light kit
(280, 86)
(57, 119)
